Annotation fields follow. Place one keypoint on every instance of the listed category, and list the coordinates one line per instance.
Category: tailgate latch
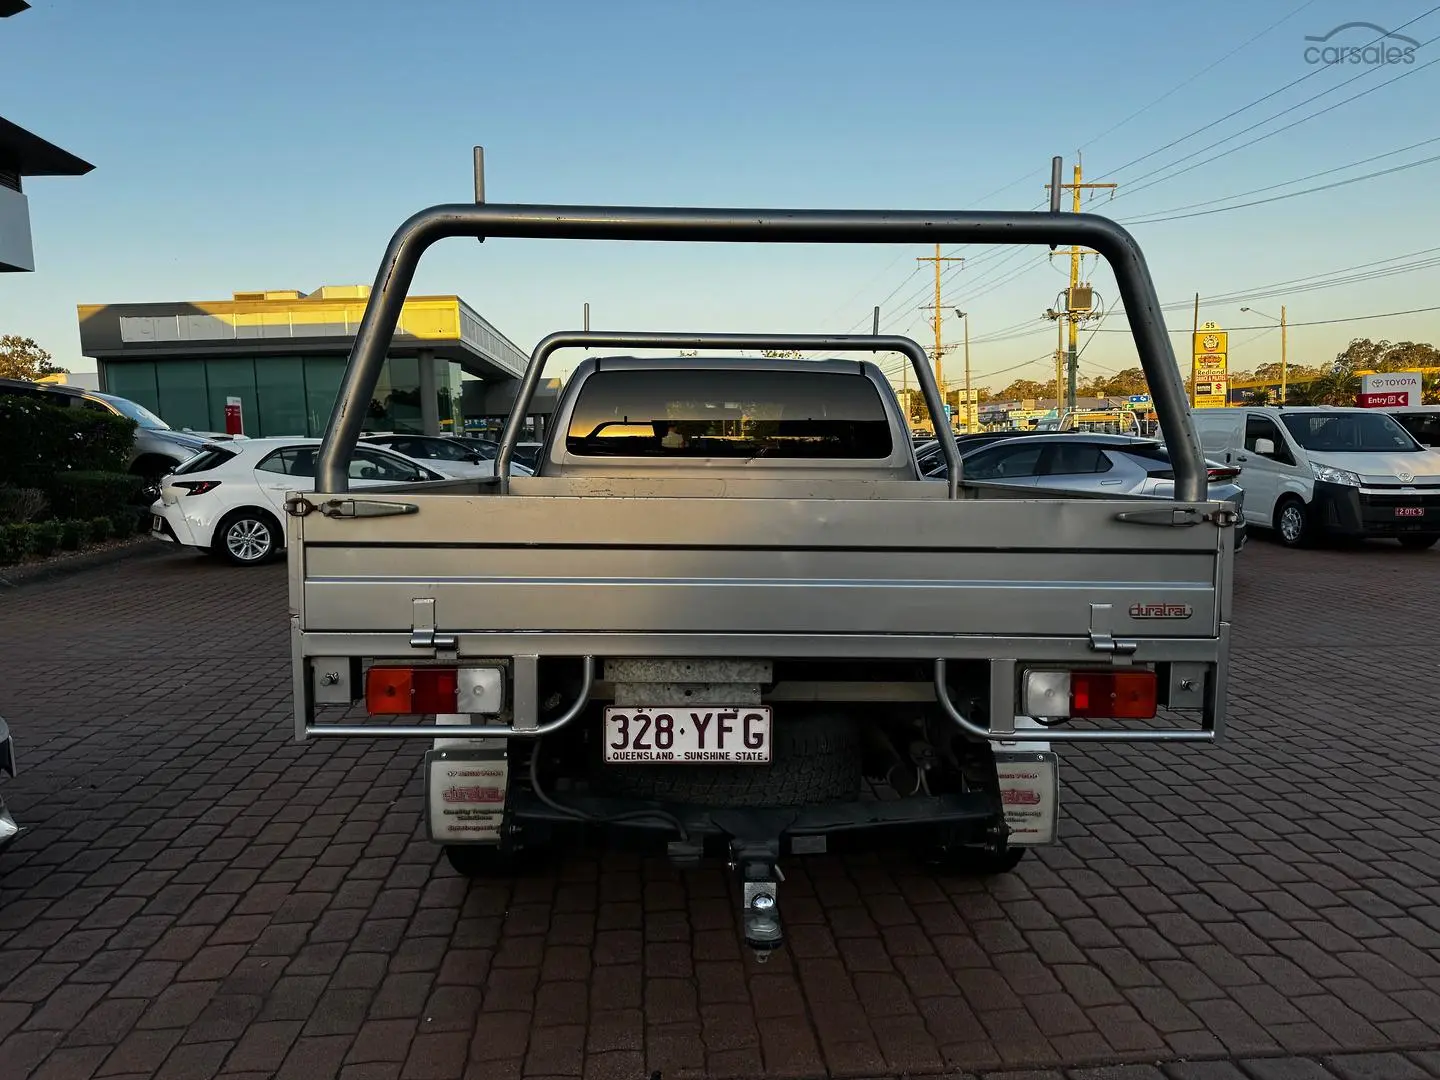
(1103, 641)
(424, 635)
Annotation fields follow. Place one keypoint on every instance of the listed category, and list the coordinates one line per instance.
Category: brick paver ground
(199, 895)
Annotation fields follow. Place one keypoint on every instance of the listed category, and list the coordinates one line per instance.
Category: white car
(230, 498)
(453, 456)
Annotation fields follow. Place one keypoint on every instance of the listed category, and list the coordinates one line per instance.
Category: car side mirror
(1265, 447)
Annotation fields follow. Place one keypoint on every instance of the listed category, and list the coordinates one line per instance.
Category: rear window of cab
(729, 414)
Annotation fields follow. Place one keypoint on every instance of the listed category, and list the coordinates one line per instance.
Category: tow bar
(760, 879)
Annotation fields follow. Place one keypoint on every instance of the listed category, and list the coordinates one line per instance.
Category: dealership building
(282, 353)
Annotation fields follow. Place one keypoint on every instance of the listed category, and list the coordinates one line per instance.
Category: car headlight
(1335, 476)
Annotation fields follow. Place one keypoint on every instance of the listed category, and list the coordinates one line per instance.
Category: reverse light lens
(411, 691)
(1122, 695)
(197, 487)
(1335, 476)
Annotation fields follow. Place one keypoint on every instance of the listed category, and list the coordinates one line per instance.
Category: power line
(1312, 322)
(1277, 131)
(1212, 124)
(1290, 195)
(1287, 183)
(1258, 101)
(1321, 279)
(1203, 71)
(1169, 93)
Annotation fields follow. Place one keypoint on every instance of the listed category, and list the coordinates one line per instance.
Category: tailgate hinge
(424, 635)
(1179, 517)
(1103, 641)
(299, 506)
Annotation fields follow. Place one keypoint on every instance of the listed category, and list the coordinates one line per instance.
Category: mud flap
(1029, 775)
(1030, 793)
(465, 795)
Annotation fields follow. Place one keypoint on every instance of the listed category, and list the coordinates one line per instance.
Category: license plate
(674, 735)
(1409, 511)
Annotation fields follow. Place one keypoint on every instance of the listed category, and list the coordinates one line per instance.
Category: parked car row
(1078, 461)
(1302, 473)
(158, 447)
(230, 498)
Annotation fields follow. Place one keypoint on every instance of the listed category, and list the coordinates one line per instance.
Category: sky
(274, 145)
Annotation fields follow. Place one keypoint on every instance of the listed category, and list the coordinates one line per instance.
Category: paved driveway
(200, 895)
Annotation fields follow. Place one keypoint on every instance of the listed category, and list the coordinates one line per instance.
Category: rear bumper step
(801, 829)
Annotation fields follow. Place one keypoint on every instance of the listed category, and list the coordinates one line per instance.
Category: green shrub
(127, 522)
(38, 440)
(99, 530)
(47, 536)
(74, 534)
(21, 504)
(94, 494)
(16, 542)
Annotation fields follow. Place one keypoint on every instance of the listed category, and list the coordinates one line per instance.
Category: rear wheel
(1292, 524)
(480, 860)
(247, 537)
(815, 758)
(1419, 543)
(971, 861)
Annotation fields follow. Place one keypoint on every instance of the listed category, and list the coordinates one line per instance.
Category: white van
(1342, 471)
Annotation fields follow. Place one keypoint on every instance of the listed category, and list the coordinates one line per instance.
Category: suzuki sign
(1389, 388)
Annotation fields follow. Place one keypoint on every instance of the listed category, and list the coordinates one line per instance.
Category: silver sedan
(1122, 464)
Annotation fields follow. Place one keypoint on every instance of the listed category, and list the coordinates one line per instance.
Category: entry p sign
(234, 421)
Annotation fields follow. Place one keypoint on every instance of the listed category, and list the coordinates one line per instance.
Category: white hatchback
(230, 498)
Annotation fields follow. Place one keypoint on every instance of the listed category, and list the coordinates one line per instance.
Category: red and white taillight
(1098, 694)
(195, 487)
(412, 691)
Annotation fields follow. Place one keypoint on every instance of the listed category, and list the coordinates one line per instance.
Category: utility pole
(1194, 332)
(1059, 366)
(1073, 312)
(1284, 372)
(937, 259)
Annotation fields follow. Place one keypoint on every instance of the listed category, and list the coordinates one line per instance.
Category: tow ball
(760, 879)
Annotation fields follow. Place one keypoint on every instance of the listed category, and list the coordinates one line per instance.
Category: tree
(23, 358)
(1293, 373)
(1023, 389)
(1127, 381)
(1362, 354)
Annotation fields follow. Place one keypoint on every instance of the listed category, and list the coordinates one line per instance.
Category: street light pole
(970, 409)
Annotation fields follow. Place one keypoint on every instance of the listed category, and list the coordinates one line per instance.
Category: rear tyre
(480, 860)
(815, 758)
(247, 537)
(1419, 543)
(1292, 523)
(970, 861)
